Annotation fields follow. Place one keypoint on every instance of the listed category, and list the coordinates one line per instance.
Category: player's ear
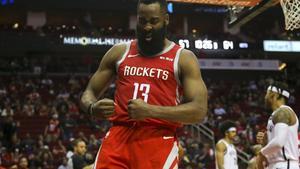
(226, 133)
(167, 19)
(276, 96)
(272, 95)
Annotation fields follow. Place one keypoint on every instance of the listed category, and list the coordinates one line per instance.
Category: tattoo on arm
(282, 115)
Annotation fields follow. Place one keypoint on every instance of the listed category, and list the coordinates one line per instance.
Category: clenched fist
(104, 108)
(138, 109)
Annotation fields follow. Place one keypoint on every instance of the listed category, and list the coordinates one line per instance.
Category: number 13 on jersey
(141, 89)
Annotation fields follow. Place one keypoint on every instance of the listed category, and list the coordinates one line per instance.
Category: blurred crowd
(40, 118)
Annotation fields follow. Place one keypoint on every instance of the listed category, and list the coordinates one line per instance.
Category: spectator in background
(239, 128)
(205, 155)
(73, 108)
(62, 107)
(7, 111)
(52, 130)
(28, 143)
(64, 94)
(73, 82)
(43, 110)
(3, 91)
(69, 148)
(40, 141)
(59, 149)
(47, 81)
(6, 157)
(77, 161)
(9, 129)
(34, 96)
(53, 110)
(64, 164)
(16, 155)
(28, 108)
(23, 163)
(68, 125)
(93, 143)
(219, 110)
(82, 136)
(45, 158)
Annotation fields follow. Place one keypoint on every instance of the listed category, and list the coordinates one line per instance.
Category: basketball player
(77, 161)
(226, 155)
(281, 150)
(158, 88)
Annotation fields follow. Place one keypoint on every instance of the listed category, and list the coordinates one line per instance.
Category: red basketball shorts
(138, 147)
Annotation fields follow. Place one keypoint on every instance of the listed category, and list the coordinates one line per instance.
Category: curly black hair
(226, 125)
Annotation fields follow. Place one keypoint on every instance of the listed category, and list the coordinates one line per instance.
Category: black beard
(156, 45)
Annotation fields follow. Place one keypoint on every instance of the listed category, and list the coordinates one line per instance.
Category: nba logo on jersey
(270, 128)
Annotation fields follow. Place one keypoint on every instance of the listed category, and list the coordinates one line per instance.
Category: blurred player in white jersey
(281, 149)
(226, 156)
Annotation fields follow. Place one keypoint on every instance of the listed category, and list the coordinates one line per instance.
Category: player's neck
(167, 43)
(228, 140)
(276, 105)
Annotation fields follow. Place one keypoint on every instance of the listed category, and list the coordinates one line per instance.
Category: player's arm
(260, 161)
(194, 107)
(99, 83)
(91, 166)
(282, 118)
(220, 150)
(251, 164)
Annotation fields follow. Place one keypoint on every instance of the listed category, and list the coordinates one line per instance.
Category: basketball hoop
(291, 11)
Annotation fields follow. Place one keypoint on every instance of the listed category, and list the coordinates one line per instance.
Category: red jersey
(153, 79)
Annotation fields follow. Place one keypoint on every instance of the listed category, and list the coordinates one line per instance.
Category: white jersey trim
(123, 56)
(176, 66)
(176, 74)
(172, 156)
(96, 159)
(98, 153)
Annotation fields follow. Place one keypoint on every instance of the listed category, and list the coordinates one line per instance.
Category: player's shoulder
(121, 47)
(220, 145)
(284, 114)
(188, 61)
(187, 56)
(284, 110)
(118, 50)
(187, 53)
(221, 142)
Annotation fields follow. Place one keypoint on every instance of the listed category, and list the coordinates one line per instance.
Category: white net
(291, 10)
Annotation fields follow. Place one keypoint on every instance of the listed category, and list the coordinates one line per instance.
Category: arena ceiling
(222, 2)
